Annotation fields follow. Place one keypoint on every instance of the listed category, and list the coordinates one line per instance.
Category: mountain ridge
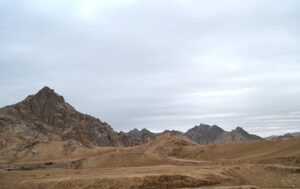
(46, 113)
(47, 116)
(201, 134)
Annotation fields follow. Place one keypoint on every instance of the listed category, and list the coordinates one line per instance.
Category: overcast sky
(158, 64)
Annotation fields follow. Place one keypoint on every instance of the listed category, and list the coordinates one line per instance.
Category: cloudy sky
(158, 64)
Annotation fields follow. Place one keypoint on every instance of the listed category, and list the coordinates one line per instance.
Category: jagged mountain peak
(46, 113)
(47, 91)
(45, 106)
(204, 134)
(135, 130)
(47, 94)
(145, 130)
(240, 129)
(143, 135)
(237, 134)
(205, 127)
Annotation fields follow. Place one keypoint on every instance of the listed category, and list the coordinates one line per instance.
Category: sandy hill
(285, 151)
(167, 145)
(169, 161)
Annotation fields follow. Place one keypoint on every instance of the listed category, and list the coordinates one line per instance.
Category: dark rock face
(47, 114)
(204, 134)
(236, 135)
(142, 136)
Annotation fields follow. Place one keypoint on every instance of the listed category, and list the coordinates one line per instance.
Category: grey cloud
(158, 64)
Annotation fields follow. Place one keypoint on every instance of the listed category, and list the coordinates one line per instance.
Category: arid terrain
(149, 94)
(167, 162)
(46, 143)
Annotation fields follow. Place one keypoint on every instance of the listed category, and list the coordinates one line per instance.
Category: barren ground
(168, 162)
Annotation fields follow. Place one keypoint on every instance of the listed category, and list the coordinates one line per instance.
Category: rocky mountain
(46, 116)
(287, 135)
(201, 134)
(142, 136)
(236, 135)
(204, 134)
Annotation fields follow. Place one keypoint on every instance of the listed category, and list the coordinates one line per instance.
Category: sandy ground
(169, 162)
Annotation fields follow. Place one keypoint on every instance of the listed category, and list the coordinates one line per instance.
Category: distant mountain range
(46, 116)
(202, 134)
(287, 135)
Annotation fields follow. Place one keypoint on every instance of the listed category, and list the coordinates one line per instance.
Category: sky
(158, 64)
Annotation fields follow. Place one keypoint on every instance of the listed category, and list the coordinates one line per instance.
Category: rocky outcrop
(204, 134)
(47, 115)
(201, 134)
(236, 135)
(142, 136)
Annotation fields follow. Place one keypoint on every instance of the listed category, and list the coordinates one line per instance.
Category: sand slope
(166, 162)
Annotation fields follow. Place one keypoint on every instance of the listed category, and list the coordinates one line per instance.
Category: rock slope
(47, 116)
(204, 134)
(142, 136)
